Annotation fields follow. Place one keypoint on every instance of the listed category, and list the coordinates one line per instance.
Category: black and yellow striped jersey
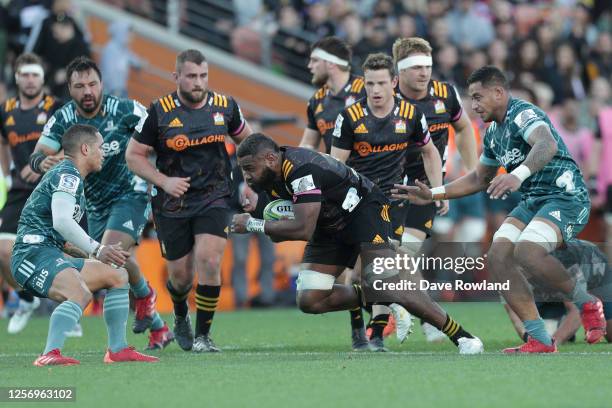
(378, 145)
(191, 143)
(324, 107)
(442, 107)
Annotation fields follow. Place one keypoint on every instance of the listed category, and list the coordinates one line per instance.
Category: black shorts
(371, 225)
(10, 213)
(420, 217)
(177, 235)
(398, 216)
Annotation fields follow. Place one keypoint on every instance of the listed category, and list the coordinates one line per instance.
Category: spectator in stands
(22, 16)
(468, 29)
(448, 66)
(117, 59)
(351, 29)
(569, 83)
(317, 19)
(376, 40)
(600, 59)
(498, 55)
(59, 40)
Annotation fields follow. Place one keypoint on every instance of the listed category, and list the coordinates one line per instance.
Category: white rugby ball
(278, 209)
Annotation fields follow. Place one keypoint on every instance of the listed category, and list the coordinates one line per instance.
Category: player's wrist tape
(255, 225)
(521, 172)
(438, 193)
(35, 159)
(8, 182)
(96, 252)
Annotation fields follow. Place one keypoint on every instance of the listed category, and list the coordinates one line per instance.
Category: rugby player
(117, 203)
(191, 208)
(21, 121)
(50, 219)
(554, 206)
(342, 215)
(372, 137)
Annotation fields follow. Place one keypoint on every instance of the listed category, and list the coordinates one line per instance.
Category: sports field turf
(283, 358)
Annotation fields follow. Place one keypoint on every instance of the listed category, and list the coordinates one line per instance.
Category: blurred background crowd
(557, 54)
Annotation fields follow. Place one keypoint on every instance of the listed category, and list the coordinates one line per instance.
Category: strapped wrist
(96, 252)
(522, 172)
(438, 193)
(255, 225)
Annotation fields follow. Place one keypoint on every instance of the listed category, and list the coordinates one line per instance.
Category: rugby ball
(278, 209)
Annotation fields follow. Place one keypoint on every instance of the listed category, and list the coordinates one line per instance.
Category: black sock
(359, 292)
(356, 318)
(181, 308)
(25, 296)
(5, 295)
(453, 330)
(206, 303)
(379, 322)
(368, 308)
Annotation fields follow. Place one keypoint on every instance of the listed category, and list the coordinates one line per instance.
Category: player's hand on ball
(239, 223)
(176, 186)
(113, 255)
(419, 194)
(248, 199)
(503, 185)
(442, 207)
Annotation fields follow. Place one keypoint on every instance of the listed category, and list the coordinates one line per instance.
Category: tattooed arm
(543, 148)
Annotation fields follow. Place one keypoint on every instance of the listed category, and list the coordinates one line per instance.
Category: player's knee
(307, 304)
(117, 278)
(528, 253)
(80, 295)
(500, 253)
(181, 282)
(6, 249)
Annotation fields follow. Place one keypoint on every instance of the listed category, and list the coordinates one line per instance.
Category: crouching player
(50, 219)
(342, 215)
(590, 268)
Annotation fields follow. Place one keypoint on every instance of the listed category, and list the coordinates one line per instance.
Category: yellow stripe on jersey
(411, 114)
(359, 110)
(357, 85)
(163, 105)
(287, 167)
(402, 108)
(351, 111)
(445, 92)
(10, 104)
(436, 89)
(170, 102)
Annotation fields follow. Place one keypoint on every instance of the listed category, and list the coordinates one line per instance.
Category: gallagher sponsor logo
(182, 142)
(364, 148)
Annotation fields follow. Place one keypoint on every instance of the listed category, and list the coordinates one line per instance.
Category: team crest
(349, 101)
(439, 107)
(218, 118)
(41, 119)
(400, 126)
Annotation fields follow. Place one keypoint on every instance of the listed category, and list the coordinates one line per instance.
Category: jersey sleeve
(455, 104)
(135, 113)
(344, 136)
(305, 184)
(236, 121)
(67, 181)
(146, 131)
(526, 120)
(51, 135)
(487, 157)
(421, 135)
(312, 123)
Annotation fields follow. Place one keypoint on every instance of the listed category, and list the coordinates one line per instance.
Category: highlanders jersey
(116, 122)
(505, 144)
(309, 176)
(191, 143)
(442, 107)
(36, 222)
(21, 130)
(378, 145)
(323, 107)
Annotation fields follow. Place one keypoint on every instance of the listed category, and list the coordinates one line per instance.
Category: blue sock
(116, 309)
(141, 289)
(537, 330)
(158, 323)
(63, 319)
(580, 296)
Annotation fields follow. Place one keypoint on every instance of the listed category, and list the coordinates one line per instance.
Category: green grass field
(283, 358)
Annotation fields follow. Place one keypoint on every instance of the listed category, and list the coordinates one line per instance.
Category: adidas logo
(128, 224)
(399, 230)
(378, 240)
(361, 129)
(319, 109)
(175, 123)
(10, 121)
(429, 224)
(556, 215)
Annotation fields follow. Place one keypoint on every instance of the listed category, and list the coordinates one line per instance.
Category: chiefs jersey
(323, 107)
(309, 176)
(378, 145)
(21, 129)
(442, 107)
(191, 143)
